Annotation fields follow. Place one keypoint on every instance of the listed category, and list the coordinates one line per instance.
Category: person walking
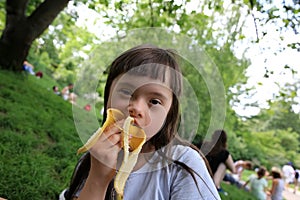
(277, 188)
(288, 174)
(296, 180)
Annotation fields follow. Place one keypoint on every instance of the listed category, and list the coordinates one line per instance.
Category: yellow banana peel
(134, 144)
(133, 139)
(113, 115)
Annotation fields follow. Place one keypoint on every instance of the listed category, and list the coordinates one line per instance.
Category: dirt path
(289, 195)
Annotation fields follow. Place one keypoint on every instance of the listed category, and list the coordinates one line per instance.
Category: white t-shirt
(288, 173)
(159, 179)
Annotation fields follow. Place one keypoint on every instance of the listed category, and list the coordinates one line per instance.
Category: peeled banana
(133, 138)
(113, 115)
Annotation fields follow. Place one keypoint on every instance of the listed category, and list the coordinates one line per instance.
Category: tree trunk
(20, 31)
(14, 46)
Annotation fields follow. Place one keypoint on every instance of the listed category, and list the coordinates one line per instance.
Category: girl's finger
(109, 131)
(115, 138)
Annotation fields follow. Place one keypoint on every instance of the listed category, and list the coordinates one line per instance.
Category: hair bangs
(161, 72)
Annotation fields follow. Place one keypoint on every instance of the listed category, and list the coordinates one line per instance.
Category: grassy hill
(39, 140)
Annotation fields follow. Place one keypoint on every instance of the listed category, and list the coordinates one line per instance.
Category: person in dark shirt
(218, 157)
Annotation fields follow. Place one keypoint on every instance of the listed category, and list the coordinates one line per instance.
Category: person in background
(39, 74)
(55, 90)
(296, 180)
(240, 166)
(277, 184)
(68, 94)
(66, 91)
(28, 67)
(218, 157)
(72, 98)
(258, 184)
(288, 173)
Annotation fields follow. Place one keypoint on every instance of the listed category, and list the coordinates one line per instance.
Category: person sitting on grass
(39, 74)
(68, 94)
(27, 67)
(55, 90)
(240, 166)
(218, 157)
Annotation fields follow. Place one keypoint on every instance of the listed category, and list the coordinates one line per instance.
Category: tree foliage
(273, 136)
(284, 14)
(201, 24)
(270, 147)
(59, 47)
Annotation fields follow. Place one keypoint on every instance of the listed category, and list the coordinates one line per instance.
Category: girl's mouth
(135, 123)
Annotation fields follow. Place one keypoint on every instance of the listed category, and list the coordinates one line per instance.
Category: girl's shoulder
(188, 156)
(181, 153)
(166, 156)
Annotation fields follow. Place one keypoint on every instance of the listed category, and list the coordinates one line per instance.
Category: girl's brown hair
(261, 172)
(148, 60)
(217, 143)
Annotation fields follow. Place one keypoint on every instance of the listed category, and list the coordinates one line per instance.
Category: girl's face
(145, 99)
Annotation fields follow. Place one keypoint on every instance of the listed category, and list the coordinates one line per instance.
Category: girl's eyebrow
(124, 84)
(154, 93)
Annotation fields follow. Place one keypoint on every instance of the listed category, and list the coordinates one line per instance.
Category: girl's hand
(104, 153)
(104, 156)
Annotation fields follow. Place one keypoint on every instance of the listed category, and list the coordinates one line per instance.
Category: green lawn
(234, 193)
(38, 138)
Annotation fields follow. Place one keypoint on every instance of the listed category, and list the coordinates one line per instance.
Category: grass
(39, 140)
(234, 193)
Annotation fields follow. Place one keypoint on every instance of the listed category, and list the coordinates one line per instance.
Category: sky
(260, 54)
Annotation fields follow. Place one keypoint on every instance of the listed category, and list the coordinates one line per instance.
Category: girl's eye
(125, 92)
(155, 101)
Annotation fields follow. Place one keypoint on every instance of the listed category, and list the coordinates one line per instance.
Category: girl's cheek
(154, 127)
(119, 103)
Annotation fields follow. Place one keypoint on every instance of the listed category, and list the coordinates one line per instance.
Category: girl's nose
(138, 109)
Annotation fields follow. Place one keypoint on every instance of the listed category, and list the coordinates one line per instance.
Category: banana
(131, 153)
(113, 115)
(133, 139)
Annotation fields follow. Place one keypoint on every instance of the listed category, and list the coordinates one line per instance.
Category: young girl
(144, 83)
(277, 184)
(258, 184)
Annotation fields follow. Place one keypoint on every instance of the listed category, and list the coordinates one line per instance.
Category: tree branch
(15, 10)
(44, 15)
(256, 29)
(151, 14)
